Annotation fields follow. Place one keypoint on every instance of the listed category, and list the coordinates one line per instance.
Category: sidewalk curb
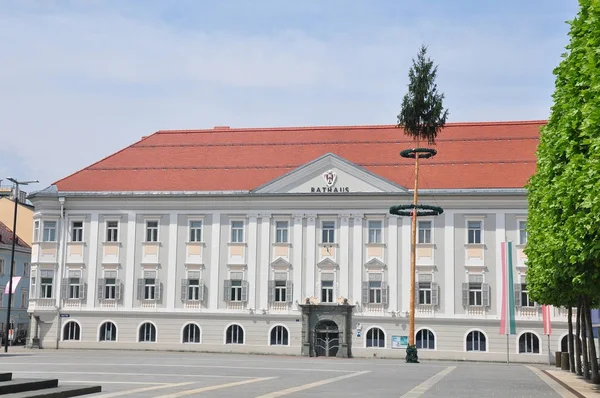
(569, 388)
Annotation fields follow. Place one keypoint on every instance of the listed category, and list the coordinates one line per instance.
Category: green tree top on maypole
(422, 115)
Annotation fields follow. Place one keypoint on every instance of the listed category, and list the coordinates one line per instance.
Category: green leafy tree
(564, 194)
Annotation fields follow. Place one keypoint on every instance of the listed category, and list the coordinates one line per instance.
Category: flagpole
(507, 349)
(549, 353)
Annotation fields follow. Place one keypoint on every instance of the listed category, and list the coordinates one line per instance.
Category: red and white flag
(546, 320)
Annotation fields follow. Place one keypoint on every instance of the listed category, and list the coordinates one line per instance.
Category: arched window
(375, 338)
(425, 339)
(564, 343)
(108, 332)
(147, 333)
(234, 335)
(279, 335)
(72, 331)
(529, 343)
(476, 341)
(191, 333)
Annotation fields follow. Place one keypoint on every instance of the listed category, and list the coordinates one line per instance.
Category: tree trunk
(570, 338)
(591, 343)
(584, 347)
(578, 339)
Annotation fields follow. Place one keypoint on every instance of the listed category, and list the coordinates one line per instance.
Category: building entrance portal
(327, 330)
(326, 339)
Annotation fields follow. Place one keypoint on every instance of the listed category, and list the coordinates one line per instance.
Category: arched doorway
(327, 339)
(564, 343)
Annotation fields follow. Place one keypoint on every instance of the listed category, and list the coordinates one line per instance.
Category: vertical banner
(507, 316)
(546, 320)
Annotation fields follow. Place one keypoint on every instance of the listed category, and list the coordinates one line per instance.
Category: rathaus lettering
(329, 189)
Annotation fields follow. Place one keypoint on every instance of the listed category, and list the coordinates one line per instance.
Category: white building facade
(310, 263)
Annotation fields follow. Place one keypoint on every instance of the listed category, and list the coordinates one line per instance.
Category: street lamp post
(12, 256)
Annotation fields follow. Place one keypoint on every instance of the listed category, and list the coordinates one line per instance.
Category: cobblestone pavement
(172, 374)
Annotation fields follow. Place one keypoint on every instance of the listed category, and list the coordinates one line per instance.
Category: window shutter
(435, 294)
(244, 291)
(271, 291)
(384, 293)
(485, 292)
(365, 292)
(289, 288)
(65, 288)
(158, 292)
(517, 287)
(201, 290)
(465, 294)
(33, 288)
(227, 290)
(82, 291)
(118, 289)
(100, 289)
(184, 290)
(140, 289)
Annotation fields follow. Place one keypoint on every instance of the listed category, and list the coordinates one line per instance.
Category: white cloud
(81, 84)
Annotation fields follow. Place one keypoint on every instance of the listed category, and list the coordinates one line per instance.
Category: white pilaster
(60, 259)
(172, 261)
(215, 254)
(297, 258)
(343, 255)
(92, 261)
(311, 255)
(251, 258)
(357, 259)
(450, 284)
(405, 263)
(500, 237)
(392, 262)
(264, 260)
(130, 243)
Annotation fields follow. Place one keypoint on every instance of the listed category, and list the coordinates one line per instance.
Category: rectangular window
(375, 231)
(151, 231)
(474, 232)
(475, 293)
(2, 266)
(281, 232)
(525, 301)
(46, 282)
(112, 231)
(49, 231)
(328, 230)
(522, 232)
(280, 291)
(237, 232)
(77, 231)
(193, 289)
(424, 232)
(110, 285)
(36, 231)
(195, 231)
(74, 284)
(149, 286)
(25, 269)
(375, 292)
(24, 298)
(236, 290)
(327, 284)
(425, 293)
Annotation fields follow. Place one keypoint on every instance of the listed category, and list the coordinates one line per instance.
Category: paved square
(174, 374)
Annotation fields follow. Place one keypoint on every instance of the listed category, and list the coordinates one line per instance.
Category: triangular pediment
(375, 263)
(280, 262)
(327, 263)
(329, 174)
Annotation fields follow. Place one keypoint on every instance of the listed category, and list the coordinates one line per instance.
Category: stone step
(5, 376)
(22, 385)
(57, 392)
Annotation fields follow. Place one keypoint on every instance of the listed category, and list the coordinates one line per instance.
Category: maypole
(422, 117)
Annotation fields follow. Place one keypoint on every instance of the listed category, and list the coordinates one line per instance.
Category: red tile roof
(470, 155)
(6, 237)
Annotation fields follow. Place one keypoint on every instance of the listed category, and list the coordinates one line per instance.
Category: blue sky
(81, 79)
